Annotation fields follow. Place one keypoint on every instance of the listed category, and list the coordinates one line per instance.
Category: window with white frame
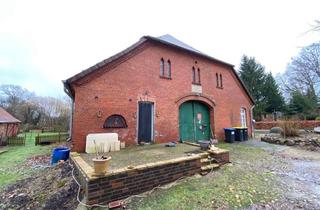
(243, 117)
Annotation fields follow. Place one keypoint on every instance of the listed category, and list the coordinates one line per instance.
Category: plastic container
(229, 135)
(60, 153)
(101, 166)
(204, 145)
(245, 134)
(239, 134)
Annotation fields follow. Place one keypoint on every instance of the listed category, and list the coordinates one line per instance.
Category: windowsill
(164, 77)
(220, 88)
(195, 83)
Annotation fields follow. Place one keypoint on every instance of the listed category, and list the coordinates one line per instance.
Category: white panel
(196, 88)
(108, 141)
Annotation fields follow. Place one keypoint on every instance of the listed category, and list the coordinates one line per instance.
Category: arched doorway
(194, 121)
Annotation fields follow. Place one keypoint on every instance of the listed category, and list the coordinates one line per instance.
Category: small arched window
(161, 67)
(199, 81)
(115, 121)
(221, 84)
(217, 80)
(169, 69)
(194, 75)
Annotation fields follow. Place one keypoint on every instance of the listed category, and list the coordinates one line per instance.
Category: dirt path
(300, 178)
(50, 188)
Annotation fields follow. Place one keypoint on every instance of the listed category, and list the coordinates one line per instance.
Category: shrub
(311, 116)
(289, 129)
(318, 118)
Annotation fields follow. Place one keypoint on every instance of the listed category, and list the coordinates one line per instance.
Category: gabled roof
(171, 41)
(5, 117)
(166, 40)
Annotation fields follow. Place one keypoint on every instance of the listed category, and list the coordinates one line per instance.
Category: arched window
(221, 84)
(243, 117)
(217, 79)
(161, 67)
(169, 69)
(199, 81)
(115, 121)
(194, 75)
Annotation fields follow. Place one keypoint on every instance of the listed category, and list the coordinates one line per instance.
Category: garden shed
(9, 125)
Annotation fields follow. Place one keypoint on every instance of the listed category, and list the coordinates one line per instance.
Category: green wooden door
(202, 121)
(186, 123)
(194, 121)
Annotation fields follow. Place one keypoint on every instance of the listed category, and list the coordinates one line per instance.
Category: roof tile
(5, 117)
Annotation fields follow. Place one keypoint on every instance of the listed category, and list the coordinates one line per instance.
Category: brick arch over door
(196, 97)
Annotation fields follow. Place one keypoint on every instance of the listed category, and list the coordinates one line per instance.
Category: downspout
(71, 119)
(67, 90)
(252, 126)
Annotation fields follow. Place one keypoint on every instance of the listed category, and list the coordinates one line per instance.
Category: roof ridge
(174, 40)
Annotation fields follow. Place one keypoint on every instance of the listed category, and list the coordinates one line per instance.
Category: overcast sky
(44, 42)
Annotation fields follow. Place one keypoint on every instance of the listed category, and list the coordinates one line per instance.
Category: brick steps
(208, 164)
(210, 167)
(208, 160)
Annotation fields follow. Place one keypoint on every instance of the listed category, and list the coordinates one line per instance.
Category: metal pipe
(252, 127)
(67, 90)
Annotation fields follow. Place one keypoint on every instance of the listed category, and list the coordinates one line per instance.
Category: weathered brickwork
(118, 87)
(222, 156)
(8, 129)
(132, 182)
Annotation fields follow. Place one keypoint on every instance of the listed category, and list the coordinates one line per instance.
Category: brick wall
(304, 124)
(135, 181)
(10, 128)
(118, 87)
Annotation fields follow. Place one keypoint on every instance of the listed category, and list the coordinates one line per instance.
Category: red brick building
(9, 125)
(158, 90)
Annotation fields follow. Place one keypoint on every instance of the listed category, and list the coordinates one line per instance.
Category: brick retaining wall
(305, 124)
(141, 179)
(124, 182)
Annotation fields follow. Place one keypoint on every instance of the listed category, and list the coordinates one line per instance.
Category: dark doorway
(145, 122)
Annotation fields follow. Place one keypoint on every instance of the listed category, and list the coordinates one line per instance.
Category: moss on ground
(246, 181)
(138, 155)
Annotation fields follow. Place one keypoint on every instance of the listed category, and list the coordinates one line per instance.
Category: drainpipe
(252, 127)
(71, 119)
(67, 90)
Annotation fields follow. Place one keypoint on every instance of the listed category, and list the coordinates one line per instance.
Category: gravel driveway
(300, 177)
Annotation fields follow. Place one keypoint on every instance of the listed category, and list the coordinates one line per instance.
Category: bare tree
(13, 95)
(35, 111)
(316, 26)
(56, 112)
(303, 73)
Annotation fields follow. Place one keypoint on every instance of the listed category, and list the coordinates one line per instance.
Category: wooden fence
(48, 139)
(18, 140)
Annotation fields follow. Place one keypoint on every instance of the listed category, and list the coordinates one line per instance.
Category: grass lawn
(11, 162)
(244, 182)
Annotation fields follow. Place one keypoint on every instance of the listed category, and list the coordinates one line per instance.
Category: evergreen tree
(253, 75)
(273, 98)
(262, 87)
(303, 105)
